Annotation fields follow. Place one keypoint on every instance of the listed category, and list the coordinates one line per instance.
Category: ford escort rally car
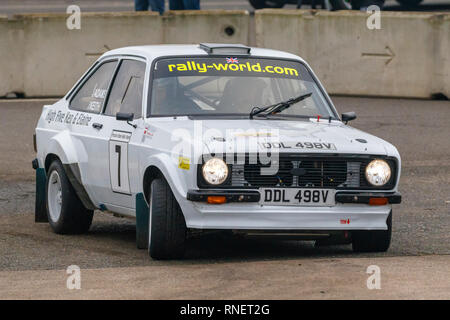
(210, 137)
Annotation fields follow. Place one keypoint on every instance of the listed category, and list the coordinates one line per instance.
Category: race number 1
(118, 161)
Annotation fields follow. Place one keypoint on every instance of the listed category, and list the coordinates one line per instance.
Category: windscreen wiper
(278, 107)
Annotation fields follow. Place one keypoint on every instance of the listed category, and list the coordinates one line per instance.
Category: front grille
(305, 171)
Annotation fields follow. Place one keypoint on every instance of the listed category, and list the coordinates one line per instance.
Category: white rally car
(191, 138)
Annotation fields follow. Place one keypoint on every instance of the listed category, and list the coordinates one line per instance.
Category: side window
(92, 93)
(126, 91)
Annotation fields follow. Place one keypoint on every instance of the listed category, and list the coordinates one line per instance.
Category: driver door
(122, 137)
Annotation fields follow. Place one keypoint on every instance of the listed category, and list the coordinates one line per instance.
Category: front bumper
(349, 213)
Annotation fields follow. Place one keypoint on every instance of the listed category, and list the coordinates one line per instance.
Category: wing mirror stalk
(348, 116)
(128, 117)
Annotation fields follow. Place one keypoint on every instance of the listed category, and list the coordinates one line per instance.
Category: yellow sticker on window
(184, 163)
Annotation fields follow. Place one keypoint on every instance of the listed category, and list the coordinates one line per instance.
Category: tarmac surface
(33, 260)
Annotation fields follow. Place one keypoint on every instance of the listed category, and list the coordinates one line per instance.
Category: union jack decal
(232, 60)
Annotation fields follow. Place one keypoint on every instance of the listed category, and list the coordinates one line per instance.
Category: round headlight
(378, 172)
(215, 171)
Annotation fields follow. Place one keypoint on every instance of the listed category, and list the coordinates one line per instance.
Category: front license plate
(298, 197)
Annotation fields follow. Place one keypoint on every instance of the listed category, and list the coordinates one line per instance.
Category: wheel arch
(62, 147)
(162, 165)
(49, 159)
(151, 173)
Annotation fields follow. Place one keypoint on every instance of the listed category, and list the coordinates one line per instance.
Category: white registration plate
(297, 197)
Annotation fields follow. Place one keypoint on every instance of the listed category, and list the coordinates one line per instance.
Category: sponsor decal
(75, 118)
(232, 60)
(147, 132)
(99, 93)
(184, 163)
(94, 106)
(123, 136)
(231, 66)
(345, 221)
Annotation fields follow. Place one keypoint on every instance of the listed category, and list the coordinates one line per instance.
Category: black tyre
(261, 4)
(66, 214)
(409, 3)
(167, 227)
(373, 241)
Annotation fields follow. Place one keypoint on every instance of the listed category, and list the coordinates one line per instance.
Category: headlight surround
(378, 172)
(215, 171)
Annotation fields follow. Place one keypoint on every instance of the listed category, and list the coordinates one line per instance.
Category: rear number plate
(298, 197)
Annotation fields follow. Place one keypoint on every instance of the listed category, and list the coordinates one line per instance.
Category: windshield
(232, 86)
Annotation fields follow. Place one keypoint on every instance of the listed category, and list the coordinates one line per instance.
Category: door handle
(97, 126)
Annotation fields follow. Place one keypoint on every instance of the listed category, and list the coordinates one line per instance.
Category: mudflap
(142, 216)
(40, 210)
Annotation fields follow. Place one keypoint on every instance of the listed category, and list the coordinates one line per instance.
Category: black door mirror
(128, 117)
(348, 116)
(123, 116)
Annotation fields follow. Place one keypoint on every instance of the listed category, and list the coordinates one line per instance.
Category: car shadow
(228, 248)
(219, 247)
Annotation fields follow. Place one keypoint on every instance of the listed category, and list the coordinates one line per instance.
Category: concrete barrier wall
(407, 57)
(442, 64)
(11, 55)
(39, 56)
(55, 57)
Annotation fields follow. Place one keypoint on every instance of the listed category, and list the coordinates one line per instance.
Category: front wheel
(167, 227)
(373, 241)
(66, 213)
